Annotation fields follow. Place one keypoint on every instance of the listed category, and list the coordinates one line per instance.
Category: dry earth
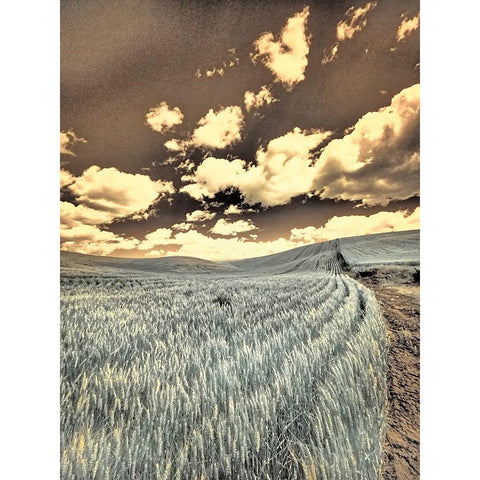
(398, 292)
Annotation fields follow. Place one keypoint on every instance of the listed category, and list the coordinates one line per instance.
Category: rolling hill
(396, 248)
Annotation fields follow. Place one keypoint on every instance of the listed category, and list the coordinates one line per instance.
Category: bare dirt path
(398, 293)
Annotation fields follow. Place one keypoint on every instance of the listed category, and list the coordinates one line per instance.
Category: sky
(222, 129)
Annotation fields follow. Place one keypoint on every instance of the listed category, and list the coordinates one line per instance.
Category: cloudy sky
(223, 129)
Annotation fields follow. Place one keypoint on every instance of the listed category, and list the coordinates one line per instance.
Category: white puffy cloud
(182, 227)
(199, 216)
(257, 100)
(378, 161)
(195, 244)
(232, 210)
(286, 58)
(91, 240)
(195, 190)
(355, 21)
(407, 26)
(74, 215)
(354, 225)
(104, 195)
(67, 140)
(162, 118)
(223, 227)
(218, 129)
(160, 236)
(122, 194)
(174, 144)
(66, 178)
(283, 171)
(155, 253)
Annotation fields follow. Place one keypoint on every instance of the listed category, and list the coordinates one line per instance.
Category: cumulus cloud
(74, 215)
(355, 21)
(223, 227)
(155, 238)
(67, 140)
(283, 171)
(232, 210)
(407, 26)
(182, 227)
(120, 193)
(162, 118)
(353, 225)
(378, 161)
(104, 195)
(219, 129)
(91, 240)
(286, 58)
(155, 253)
(199, 216)
(257, 100)
(195, 244)
(174, 144)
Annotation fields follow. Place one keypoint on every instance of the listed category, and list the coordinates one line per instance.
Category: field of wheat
(221, 377)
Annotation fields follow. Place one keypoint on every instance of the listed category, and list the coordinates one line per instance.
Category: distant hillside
(397, 248)
(90, 264)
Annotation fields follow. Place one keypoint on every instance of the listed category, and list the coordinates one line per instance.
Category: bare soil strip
(397, 291)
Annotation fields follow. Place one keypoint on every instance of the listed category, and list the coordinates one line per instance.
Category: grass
(269, 377)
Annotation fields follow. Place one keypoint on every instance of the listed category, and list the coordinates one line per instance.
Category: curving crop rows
(274, 377)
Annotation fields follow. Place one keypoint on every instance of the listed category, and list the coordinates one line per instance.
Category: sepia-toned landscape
(240, 243)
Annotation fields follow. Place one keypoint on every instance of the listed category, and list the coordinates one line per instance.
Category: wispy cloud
(355, 21)
(407, 26)
(330, 54)
(66, 178)
(231, 62)
(67, 140)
